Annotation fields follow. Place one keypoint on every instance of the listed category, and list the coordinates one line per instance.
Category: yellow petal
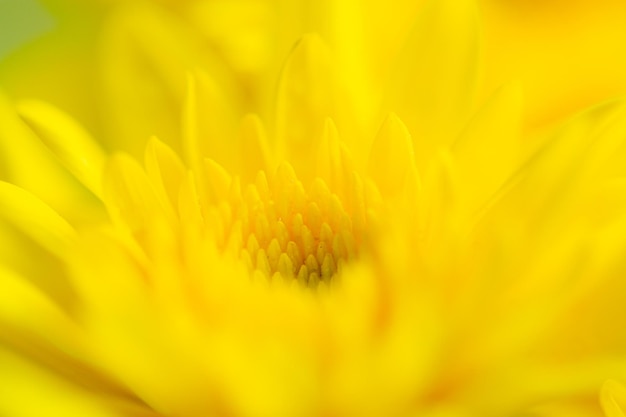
(256, 152)
(146, 52)
(432, 86)
(24, 309)
(36, 326)
(207, 123)
(441, 185)
(80, 154)
(166, 172)
(204, 129)
(36, 219)
(305, 97)
(613, 399)
(391, 156)
(23, 381)
(568, 161)
(189, 206)
(25, 161)
(486, 152)
(128, 194)
(239, 30)
(218, 180)
(331, 164)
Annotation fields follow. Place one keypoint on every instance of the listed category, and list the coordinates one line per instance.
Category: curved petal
(433, 85)
(36, 219)
(613, 399)
(76, 149)
(305, 99)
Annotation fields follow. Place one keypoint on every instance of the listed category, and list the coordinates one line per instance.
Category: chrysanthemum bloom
(439, 267)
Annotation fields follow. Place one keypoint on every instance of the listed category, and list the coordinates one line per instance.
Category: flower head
(349, 258)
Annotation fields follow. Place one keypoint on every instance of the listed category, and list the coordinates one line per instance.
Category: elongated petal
(36, 219)
(254, 144)
(25, 161)
(207, 122)
(432, 87)
(488, 150)
(147, 50)
(391, 156)
(69, 141)
(25, 309)
(571, 159)
(33, 324)
(334, 161)
(31, 391)
(218, 180)
(129, 195)
(613, 399)
(305, 100)
(166, 172)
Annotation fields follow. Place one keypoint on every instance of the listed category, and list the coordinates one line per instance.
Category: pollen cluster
(285, 231)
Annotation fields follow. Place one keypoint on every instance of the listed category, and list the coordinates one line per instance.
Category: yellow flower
(430, 262)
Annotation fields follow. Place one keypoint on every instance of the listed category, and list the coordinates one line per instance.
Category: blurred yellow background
(568, 54)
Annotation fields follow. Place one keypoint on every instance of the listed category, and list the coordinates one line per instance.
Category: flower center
(289, 233)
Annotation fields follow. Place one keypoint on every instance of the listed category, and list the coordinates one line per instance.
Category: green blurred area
(48, 53)
(21, 21)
